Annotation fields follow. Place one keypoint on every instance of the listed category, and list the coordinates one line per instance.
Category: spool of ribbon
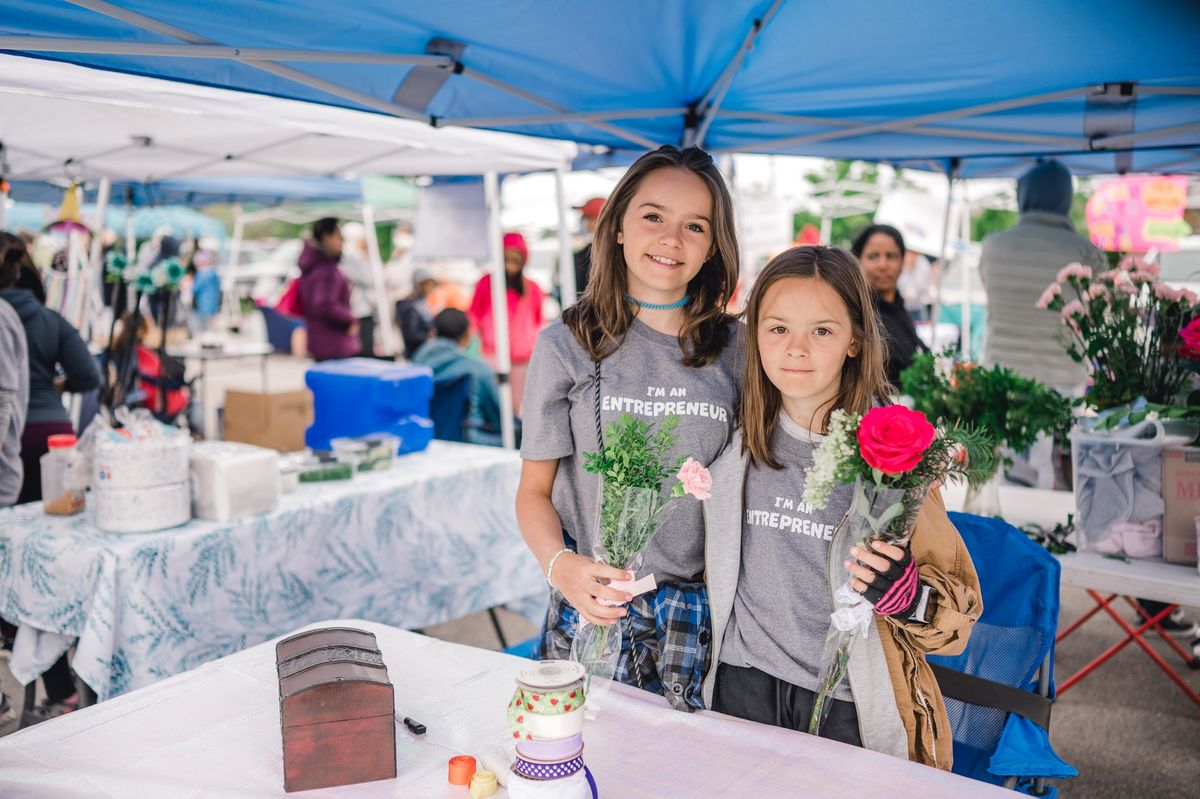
(575, 786)
(483, 783)
(548, 703)
(547, 771)
(528, 726)
(546, 675)
(461, 769)
(551, 751)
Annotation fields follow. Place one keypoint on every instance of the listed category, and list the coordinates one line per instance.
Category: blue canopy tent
(981, 88)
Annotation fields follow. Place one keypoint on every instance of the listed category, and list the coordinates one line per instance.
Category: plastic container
(60, 495)
(373, 453)
(350, 450)
(361, 396)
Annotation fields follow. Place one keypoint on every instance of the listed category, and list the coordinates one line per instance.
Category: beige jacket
(899, 705)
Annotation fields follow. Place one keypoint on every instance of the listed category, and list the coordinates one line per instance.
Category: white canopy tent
(63, 120)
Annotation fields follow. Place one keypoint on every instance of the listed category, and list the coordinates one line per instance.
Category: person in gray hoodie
(1016, 267)
(14, 400)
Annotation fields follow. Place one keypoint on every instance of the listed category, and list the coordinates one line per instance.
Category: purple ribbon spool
(551, 751)
(547, 771)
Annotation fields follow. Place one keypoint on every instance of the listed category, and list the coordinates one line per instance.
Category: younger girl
(814, 344)
(649, 337)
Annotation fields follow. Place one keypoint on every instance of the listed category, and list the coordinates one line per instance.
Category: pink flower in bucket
(695, 479)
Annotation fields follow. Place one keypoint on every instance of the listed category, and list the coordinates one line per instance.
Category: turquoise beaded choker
(657, 306)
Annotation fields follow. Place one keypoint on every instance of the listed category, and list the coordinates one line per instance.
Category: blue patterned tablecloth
(431, 540)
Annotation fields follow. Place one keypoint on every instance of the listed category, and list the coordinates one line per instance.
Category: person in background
(206, 289)
(916, 285)
(51, 342)
(324, 295)
(590, 211)
(1016, 266)
(355, 264)
(445, 355)
(413, 314)
(14, 398)
(880, 251)
(168, 248)
(524, 314)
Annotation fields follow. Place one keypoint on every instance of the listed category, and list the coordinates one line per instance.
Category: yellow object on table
(483, 783)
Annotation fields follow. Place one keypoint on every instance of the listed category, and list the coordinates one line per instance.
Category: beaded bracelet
(550, 566)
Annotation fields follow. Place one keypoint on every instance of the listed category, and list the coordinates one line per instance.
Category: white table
(214, 732)
(228, 351)
(433, 539)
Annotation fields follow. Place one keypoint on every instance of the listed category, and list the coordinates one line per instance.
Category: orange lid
(60, 440)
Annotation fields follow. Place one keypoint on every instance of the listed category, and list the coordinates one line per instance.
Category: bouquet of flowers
(1127, 327)
(634, 466)
(892, 456)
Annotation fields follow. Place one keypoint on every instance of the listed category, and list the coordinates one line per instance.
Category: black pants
(751, 694)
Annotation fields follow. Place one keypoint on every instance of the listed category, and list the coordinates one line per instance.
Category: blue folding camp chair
(1000, 689)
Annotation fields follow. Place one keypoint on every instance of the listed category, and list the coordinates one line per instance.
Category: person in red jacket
(324, 295)
(524, 314)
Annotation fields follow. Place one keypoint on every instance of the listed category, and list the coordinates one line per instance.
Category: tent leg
(937, 294)
(568, 291)
(233, 311)
(387, 330)
(89, 285)
(965, 237)
(491, 188)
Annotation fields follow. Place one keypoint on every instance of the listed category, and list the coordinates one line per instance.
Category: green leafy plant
(1012, 410)
(1053, 540)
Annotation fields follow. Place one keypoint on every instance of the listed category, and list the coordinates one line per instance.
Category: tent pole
(964, 228)
(941, 265)
(491, 190)
(4, 205)
(93, 267)
(568, 291)
(233, 311)
(903, 125)
(387, 330)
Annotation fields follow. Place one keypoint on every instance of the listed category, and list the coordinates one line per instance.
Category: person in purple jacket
(324, 295)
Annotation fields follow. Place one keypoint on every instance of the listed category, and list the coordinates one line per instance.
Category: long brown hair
(602, 315)
(863, 380)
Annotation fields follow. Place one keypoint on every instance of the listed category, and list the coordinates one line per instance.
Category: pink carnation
(1165, 292)
(1149, 268)
(696, 479)
(1096, 290)
(1052, 291)
(1073, 270)
(1112, 275)
(1071, 308)
(1130, 289)
(1187, 297)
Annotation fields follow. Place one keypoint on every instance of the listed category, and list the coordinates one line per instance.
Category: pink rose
(1191, 340)
(893, 439)
(1052, 291)
(695, 479)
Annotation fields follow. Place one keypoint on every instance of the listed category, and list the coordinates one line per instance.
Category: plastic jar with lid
(60, 495)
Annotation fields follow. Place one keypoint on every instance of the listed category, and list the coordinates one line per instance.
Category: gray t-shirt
(781, 610)
(646, 378)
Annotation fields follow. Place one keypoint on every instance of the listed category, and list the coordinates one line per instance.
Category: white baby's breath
(839, 446)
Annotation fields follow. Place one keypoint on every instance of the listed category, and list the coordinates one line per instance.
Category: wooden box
(336, 709)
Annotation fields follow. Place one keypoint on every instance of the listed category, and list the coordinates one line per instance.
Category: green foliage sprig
(1011, 409)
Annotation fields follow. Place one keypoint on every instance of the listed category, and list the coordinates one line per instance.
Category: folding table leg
(1115, 648)
(1187, 657)
(1079, 623)
(499, 631)
(1136, 637)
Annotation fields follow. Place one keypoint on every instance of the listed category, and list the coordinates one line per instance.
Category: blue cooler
(360, 396)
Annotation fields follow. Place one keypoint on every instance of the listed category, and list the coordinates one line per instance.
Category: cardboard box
(277, 420)
(1181, 493)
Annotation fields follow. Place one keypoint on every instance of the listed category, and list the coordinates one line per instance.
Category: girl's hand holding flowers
(887, 576)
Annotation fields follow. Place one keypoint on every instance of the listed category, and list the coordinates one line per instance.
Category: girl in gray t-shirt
(815, 346)
(649, 337)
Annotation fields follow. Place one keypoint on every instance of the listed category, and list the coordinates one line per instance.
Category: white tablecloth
(431, 540)
(215, 732)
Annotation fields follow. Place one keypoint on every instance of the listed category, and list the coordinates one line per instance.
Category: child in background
(815, 346)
